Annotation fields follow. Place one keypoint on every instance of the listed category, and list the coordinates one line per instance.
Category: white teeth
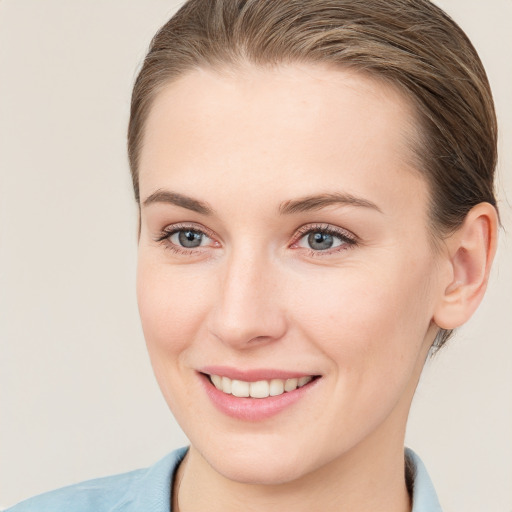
(276, 387)
(226, 385)
(290, 384)
(239, 388)
(258, 389)
(217, 381)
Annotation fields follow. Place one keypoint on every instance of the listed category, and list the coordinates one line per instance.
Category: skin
(255, 295)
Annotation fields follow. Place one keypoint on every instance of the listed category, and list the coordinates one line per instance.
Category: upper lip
(253, 375)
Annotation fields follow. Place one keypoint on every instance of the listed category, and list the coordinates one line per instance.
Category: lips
(255, 395)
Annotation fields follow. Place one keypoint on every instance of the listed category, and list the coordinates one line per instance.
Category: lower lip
(254, 409)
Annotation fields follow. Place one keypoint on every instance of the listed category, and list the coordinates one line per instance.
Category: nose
(248, 311)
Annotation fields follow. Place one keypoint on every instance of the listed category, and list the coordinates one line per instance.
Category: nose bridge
(248, 307)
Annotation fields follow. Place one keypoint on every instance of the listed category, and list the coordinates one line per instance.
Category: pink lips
(252, 409)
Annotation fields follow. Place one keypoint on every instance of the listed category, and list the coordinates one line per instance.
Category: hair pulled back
(411, 44)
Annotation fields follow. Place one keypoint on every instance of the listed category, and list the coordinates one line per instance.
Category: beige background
(77, 396)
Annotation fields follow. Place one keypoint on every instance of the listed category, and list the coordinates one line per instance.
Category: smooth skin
(234, 157)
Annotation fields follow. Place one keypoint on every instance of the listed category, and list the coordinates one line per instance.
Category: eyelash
(348, 239)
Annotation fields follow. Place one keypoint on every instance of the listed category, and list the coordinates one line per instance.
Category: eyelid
(193, 226)
(329, 228)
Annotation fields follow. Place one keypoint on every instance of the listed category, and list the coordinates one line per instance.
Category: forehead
(290, 128)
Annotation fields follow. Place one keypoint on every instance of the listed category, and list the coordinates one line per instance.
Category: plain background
(77, 395)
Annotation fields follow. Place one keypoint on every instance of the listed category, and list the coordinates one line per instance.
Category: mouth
(261, 388)
(255, 395)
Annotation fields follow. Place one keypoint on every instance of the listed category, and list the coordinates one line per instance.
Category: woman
(315, 183)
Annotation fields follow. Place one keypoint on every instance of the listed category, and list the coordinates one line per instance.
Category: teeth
(276, 387)
(226, 385)
(290, 384)
(259, 389)
(303, 381)
(217, 381)
(239, 388)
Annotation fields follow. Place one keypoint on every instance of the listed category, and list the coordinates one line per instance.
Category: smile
(260, 388)
(257, 394)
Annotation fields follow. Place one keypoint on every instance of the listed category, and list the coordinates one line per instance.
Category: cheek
(367, 320)
(171, 305)
(372, 327)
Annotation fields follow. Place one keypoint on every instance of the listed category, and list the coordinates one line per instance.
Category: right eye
(186, 239)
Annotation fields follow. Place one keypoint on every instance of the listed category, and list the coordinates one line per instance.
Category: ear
(470, 252)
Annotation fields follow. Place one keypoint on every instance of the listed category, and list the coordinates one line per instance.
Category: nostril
(250, 335)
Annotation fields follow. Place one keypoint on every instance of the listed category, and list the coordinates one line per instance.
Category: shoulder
(424, 497)
(143, 489)
(99, 494)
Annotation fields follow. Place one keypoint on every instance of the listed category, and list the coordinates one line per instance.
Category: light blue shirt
(149, 490)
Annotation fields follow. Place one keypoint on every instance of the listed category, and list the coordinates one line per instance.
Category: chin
(246, 470)
(258, 463)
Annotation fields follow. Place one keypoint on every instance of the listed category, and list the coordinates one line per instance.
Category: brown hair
(411, 44)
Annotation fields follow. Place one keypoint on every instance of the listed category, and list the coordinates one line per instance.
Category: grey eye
(188, 238)
(320, 241)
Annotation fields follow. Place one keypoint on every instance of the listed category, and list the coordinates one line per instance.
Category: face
(284, 253)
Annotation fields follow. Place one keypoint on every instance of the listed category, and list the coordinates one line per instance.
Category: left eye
(189, 238)
(321, 240)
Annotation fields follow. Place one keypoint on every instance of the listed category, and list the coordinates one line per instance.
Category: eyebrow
(165, 196)
(317, 202)
(304, 204)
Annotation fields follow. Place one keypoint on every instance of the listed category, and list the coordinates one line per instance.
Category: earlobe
(471, 250)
